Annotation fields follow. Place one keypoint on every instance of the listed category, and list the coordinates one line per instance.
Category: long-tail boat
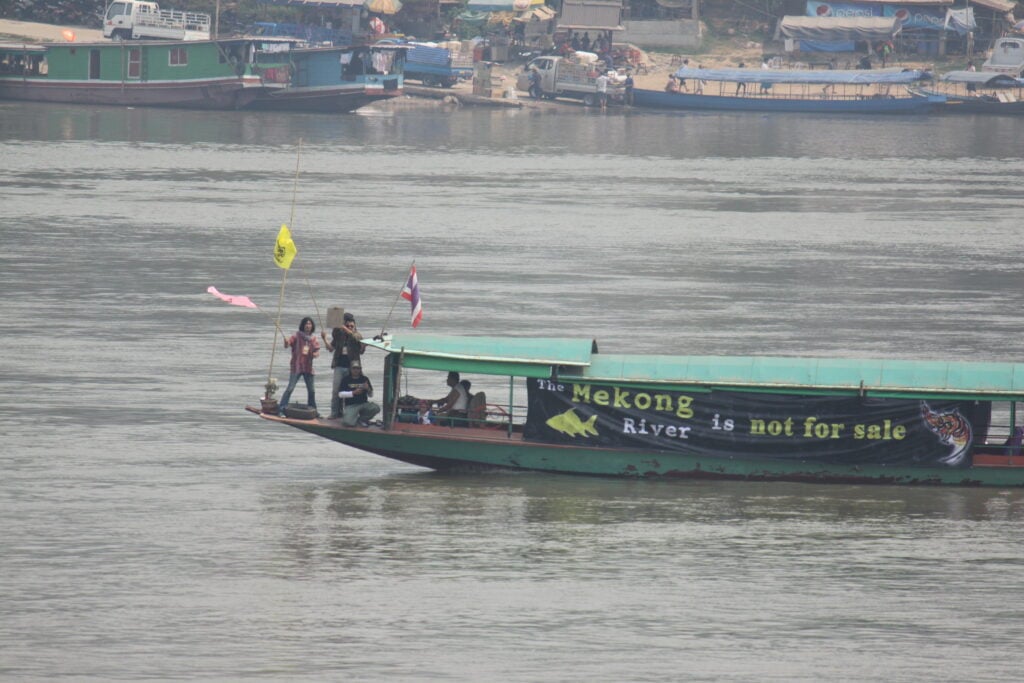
(979, 92)
(826, 91)
(570, 409)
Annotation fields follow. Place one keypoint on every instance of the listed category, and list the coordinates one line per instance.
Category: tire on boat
(300, 411)
(589, 100)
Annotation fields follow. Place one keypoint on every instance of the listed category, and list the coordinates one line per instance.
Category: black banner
(841, 430)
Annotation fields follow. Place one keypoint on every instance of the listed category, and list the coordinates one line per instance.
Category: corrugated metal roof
(578, 360)
(591, 15)
(997, 5)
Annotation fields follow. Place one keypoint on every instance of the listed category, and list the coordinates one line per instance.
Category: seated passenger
(672, 85)
(355, 392)
(1013, 444)
(453, 408)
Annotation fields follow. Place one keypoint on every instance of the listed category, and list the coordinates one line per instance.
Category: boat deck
(489, 433)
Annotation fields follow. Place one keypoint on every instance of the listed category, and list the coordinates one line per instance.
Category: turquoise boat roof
(521, 356)
(579, 360)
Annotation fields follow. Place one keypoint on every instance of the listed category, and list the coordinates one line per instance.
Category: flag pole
(315, 304)
(388, 320)
(284, 278)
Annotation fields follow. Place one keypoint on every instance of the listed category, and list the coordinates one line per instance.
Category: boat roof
(822, 77)
(520, 356)
(578, 359)
(986, 78)
(23, 48)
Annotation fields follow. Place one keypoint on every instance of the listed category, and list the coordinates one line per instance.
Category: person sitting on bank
(304, 348)
(346, 345)
(355, 393)
(454, 408)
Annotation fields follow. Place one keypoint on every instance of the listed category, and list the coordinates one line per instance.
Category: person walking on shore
(534, 77)
(602, 90)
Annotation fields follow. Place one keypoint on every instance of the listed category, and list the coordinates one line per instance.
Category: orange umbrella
(383, 6)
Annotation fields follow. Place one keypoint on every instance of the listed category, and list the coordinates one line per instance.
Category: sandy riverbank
(14, 31)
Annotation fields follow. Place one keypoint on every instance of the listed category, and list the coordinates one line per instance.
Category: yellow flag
(284, 250)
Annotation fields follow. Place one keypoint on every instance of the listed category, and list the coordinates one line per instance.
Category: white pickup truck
(1007, 57)
(132, 19)
(562, 77)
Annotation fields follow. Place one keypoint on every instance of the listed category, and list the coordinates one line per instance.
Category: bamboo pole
(284, 278)
(387, 321)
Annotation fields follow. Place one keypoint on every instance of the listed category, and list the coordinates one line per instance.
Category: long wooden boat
(979, 92)
(204, 74)
(826, 91)
(329, 79)
(745, 418)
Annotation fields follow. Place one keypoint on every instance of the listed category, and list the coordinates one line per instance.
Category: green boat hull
(447, 450)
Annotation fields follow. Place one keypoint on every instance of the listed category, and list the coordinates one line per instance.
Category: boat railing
(801, 91)
(1004, 439)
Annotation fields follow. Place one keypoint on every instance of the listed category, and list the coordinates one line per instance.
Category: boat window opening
(178, 57)
(94, 64)
(415, 395)
(135, 63)
(1003, 429)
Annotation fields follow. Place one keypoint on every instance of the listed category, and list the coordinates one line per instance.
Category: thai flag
(411, 293)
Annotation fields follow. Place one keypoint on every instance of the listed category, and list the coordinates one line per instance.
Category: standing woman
(304, 348)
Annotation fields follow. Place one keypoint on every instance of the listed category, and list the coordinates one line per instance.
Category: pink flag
(411, 293)
(233, 300)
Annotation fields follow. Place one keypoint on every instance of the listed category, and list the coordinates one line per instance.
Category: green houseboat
(238, 73)
(206, 74)
(569, 409)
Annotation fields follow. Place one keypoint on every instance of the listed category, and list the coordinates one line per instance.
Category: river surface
(151, 529)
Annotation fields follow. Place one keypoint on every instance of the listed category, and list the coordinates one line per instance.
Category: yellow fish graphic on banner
(284, 250)
(569, 424)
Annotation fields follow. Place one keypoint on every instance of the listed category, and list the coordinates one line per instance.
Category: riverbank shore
(651, 73)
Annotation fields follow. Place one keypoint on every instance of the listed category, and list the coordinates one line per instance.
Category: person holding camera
(345, 343)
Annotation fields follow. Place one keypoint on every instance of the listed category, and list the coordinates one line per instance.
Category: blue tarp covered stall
(839, 28)
(835, 34)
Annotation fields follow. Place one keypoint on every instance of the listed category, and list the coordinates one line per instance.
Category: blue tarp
(826, 46)
(891, 76)
(984, 78)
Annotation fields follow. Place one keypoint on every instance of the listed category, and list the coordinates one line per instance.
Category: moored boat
(204, 74)
(329, 79)
(980, 92)
(744, 418)
(826, 91)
